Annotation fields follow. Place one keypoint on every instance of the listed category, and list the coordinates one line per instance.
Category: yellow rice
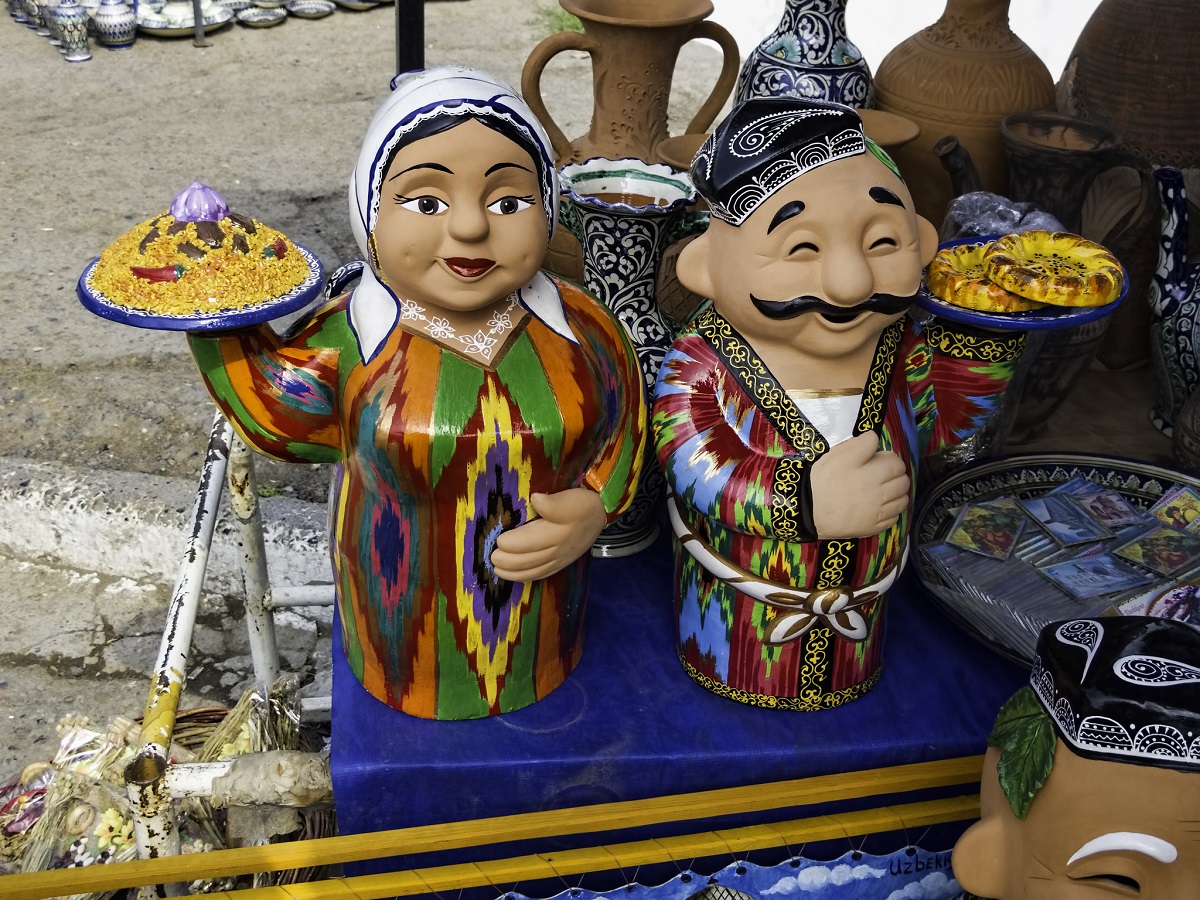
(223, 280)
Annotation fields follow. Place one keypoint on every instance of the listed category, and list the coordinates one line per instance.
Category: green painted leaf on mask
(1025, 737)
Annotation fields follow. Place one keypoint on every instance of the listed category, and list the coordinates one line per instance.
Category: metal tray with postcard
(1010, 544)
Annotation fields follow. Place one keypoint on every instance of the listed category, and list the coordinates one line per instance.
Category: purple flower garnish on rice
(198, 203)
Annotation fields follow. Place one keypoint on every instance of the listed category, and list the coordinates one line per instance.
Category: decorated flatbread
(1057, 268)
(958, 275)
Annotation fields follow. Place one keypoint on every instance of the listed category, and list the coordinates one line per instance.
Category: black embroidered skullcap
(1124, 689)
(766, 142)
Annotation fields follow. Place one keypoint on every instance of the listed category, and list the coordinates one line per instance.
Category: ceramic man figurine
(789, 417)
(1092, 785)
(486, 418)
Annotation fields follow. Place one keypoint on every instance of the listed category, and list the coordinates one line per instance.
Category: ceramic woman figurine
(789, 418)
(486, 418)
(1092, 782)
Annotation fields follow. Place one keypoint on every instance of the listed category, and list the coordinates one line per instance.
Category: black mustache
(889, 304)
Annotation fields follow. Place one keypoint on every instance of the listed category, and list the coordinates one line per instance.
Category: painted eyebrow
(883, 195)
(506, 165)
(787, 211)
(1135, 841)
(429, 165)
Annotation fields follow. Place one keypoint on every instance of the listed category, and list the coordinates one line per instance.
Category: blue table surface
(630, 724)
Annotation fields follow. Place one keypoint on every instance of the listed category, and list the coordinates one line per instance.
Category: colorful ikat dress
(436, 456)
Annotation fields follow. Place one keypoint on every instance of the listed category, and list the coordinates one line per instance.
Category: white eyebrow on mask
(1146, 844)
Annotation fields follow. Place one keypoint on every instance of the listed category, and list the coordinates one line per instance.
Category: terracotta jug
(1133, 69)
(633, 46)
(960, 76)
(1053, 162)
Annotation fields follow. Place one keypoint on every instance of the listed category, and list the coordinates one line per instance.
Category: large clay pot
(808, 55)
(960, 76)
(633, 46)
(1133, 69)
(1053, 161)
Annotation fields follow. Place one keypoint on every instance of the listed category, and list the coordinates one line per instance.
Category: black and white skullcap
(1124, 689)
(766, 142)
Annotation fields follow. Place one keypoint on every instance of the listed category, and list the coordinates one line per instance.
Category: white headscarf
(416, 98)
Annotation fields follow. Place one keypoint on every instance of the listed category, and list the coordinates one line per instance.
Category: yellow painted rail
(580, 820)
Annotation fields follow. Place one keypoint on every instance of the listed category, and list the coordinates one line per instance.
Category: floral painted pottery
(960, 76)
(626, 210)
(115, 24)
(1174, 295)
(73, 25)
(16, 9)
(45, 19)
(633, 47)
(808, 55)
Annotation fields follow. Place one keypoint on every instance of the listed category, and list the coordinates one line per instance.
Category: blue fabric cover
(630, 724)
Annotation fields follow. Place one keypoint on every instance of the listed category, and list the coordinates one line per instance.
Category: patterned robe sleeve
(719, 453)
(280, 396)
(956, 376)
(617, 464)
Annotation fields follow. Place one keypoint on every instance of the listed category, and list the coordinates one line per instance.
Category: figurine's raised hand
(857, 489)
(568, 523)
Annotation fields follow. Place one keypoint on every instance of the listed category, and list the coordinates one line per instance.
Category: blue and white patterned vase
(16, 9)
(1174, 297)
(626, 212)
(115, 24)
(73, 29)
(809, 55)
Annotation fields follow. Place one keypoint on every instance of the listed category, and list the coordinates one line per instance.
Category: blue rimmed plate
(1032, 320)
(207, 320)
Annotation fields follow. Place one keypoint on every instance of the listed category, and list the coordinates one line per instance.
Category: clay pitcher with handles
(633, 45)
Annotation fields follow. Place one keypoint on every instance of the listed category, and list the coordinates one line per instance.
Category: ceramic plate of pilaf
(200, 276)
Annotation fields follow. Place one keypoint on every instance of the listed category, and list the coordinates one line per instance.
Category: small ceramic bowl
(270, 4)
(311, 9)
(256, 17)
(235, 6)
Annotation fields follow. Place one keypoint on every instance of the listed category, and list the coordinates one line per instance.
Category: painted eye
(506, 206)
(804, 245)
(883, 242)
(426, 205)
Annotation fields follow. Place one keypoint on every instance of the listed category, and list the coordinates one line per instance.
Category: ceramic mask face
(1095, 829)
(461, 222)
(842, 232)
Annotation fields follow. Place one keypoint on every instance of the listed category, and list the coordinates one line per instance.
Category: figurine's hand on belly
(568, 523)
(857, 489)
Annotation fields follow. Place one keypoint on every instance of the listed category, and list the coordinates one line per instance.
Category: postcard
(1096, 576)
(1163, 550)
(983, 529)
(1063, 520)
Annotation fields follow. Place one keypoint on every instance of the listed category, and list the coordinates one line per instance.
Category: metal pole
(410, 35)
(154, 817)
(260, 623)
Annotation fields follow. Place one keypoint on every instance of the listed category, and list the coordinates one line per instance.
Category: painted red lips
(468, 268)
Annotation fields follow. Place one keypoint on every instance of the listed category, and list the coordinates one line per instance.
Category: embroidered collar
(374, 311)
(761, 385)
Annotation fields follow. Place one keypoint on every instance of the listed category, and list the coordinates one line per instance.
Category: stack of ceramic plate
(260, 17)
(311, 9)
